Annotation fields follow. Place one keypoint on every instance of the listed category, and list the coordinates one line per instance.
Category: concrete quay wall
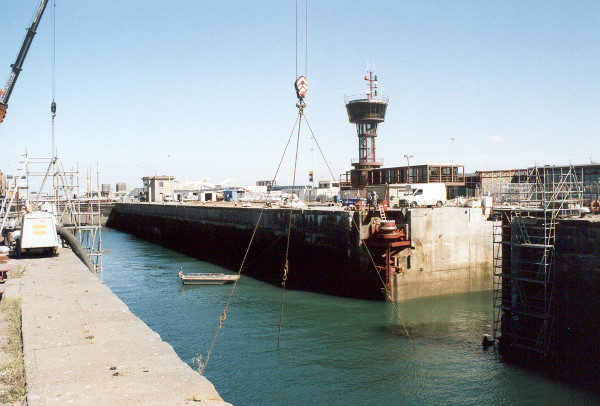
(452, 253)
(571, 328)
(577, 308)
(324, 253)
(452, 247)
(83, 346)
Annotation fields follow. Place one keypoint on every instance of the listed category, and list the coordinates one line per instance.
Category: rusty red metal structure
(385, 242)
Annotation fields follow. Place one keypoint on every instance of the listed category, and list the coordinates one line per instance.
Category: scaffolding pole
(524, 254)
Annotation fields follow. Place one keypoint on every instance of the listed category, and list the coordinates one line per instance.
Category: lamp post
(451, 151)
(408, 167)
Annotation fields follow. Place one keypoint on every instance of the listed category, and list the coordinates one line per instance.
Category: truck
(421, 194)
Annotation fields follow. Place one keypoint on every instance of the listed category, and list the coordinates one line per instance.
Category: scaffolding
(79, 214)
(524, 254)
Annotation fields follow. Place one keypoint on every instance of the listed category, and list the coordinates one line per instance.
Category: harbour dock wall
(324, 252)
(83, 346)
(574, 318)
(451, 247)
(578, 300)
(452, 253)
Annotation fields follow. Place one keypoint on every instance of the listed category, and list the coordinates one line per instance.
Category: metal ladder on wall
(381, 213)
(12, 192)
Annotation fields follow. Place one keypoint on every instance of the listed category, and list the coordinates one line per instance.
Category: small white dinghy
(206, 278)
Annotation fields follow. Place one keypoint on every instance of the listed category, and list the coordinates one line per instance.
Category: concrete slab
(83, 346)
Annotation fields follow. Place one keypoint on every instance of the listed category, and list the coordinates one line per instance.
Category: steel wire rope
(300, 106)
(365, 245)
(305, 38)
(53, 49)
(298, 121)
(223, 316)
(387, 291)
(314, 137)
(287, 249)
(296, 38)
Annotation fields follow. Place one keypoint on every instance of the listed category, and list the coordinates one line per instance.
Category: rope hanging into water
(387, 291)
(223, 316)
(300, 106)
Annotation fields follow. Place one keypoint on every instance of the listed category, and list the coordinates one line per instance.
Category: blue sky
(201, 89)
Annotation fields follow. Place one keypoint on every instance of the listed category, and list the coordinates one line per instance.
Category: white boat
(207, 278)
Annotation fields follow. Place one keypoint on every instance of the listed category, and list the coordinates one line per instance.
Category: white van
(423, 194)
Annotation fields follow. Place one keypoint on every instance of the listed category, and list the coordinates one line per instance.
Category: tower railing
(365, 97)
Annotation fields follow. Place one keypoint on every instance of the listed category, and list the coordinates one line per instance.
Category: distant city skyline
(201, 90)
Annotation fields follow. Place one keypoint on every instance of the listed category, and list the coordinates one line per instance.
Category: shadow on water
(333, 350)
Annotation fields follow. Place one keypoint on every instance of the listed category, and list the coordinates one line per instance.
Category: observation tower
(366, 111)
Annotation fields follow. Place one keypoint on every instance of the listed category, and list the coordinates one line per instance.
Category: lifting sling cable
(314, 137)
(223, 316)
(387, 291)
(289, 228)
(301, 86)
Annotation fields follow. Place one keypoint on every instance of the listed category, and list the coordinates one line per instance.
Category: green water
(333, 351)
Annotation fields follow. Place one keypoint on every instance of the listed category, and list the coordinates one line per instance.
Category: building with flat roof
(158, 187)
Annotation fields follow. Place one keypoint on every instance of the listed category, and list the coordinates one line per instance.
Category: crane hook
(301, 86)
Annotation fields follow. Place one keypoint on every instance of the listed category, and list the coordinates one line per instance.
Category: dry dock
(83, 346)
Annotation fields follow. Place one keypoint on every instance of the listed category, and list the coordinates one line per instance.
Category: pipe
(75, 246)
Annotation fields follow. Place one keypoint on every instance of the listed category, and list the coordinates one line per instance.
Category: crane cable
(53, 104)
(387, 292)
(301, 86)
(314, 137)
(53, 49)
(223, 315)
(286, 268)
(305, 37)
(300, 105)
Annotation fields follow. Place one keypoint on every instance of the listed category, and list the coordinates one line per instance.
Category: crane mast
(18, 65)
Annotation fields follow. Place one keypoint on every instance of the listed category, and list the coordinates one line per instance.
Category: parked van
(423, 194)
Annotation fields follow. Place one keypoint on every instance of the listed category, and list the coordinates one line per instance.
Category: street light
(408, 167)
(451, 152)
